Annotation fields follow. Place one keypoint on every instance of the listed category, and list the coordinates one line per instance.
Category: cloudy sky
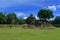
(26, 7)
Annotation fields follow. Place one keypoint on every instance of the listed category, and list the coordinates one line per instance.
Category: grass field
(29, 34)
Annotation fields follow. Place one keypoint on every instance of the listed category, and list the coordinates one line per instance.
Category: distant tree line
(56, 21)
(43, 14)
(10, 18)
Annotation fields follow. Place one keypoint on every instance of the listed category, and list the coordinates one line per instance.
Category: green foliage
(45, 14)
(11, 18)
(2, 18)
(20, 21)
(31, 19)
(57, 20)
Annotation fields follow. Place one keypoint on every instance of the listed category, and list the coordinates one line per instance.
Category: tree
(11, 18)
(57, 20)
(2, 18)
(31, 19)
(20, 21)
(45, 14)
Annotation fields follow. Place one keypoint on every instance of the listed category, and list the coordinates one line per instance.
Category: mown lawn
(29, 34)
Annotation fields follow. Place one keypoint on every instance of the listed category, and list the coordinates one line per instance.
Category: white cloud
(24, 17)
(20, 14)
(36, 17)
(53, 7)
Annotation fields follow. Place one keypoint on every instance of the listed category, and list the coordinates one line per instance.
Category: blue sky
(24, 8)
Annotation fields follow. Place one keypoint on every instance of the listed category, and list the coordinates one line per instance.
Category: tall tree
(31, 19)
(45, 14)
(57, 20)
(2, 18)
(11, 18)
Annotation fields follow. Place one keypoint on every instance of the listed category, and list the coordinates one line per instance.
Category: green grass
(29, 34)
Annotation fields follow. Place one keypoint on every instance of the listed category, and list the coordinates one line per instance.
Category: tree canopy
(2, 18)
(31, 19)
(57, 20)
(45, 14)
(11, 18)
